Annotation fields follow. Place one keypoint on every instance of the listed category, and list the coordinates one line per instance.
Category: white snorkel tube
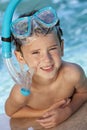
(7, 51)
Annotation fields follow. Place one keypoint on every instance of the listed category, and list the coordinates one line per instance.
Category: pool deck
(78, 121)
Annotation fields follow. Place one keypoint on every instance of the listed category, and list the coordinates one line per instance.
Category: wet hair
(18, 42)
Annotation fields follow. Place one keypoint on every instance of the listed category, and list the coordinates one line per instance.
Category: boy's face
(43, 54)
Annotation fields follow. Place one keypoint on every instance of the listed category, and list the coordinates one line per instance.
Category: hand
(55, 115)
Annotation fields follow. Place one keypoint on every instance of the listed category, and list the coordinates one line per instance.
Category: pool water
(73, 17)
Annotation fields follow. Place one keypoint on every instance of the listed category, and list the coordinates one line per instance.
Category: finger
(56, 105)
(48, 125)
(68, 100)
(48, 114)
(45, 120)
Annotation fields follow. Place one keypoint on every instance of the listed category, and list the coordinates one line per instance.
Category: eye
(53, 48)
(35, 52)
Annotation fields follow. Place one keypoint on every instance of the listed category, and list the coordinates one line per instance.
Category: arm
(15, 101)
(80, 96)
(78, 100)
(53, 118)
(16, 105)
(29, 112)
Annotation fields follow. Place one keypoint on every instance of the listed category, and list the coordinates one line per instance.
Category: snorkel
(6, 46)
(45, 17)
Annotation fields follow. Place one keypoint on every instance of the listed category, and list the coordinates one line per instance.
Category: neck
(40, 82)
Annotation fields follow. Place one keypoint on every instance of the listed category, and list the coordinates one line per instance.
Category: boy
(58, 87)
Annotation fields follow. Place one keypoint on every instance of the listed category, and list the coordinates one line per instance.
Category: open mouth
(47, 68)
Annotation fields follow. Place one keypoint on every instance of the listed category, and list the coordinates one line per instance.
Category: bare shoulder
(74, 73)
(15, 90)
(73, 69)
(15, 94)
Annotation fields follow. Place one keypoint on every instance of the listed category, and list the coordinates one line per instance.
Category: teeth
(47, 67)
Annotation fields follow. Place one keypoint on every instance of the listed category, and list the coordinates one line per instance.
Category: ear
(19, 57)
(62, 47)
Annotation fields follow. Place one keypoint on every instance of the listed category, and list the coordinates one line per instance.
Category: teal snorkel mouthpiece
(25, 80)
(25, 92)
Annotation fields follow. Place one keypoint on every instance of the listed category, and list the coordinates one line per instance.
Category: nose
(46, 57)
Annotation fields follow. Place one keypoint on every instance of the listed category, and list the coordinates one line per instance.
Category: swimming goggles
(22, 27)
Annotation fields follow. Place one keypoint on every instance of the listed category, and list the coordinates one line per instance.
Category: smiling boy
(58, 87)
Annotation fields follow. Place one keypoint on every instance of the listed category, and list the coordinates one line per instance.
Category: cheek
(57, 58)
(32, 62)
(56, 55)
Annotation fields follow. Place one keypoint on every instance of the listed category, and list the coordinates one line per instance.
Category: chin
(48, 76)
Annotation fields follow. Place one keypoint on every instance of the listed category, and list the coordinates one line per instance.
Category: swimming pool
(73, 17)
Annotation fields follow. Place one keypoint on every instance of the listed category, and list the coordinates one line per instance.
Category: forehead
(40, 38)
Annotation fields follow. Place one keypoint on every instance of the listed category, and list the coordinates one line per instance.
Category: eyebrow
(53, 45)
(35, 50)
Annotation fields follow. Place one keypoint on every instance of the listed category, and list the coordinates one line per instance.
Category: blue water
(73, 16)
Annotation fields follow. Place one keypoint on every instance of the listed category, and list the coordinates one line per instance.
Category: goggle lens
(47, 17)
(20, 27)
